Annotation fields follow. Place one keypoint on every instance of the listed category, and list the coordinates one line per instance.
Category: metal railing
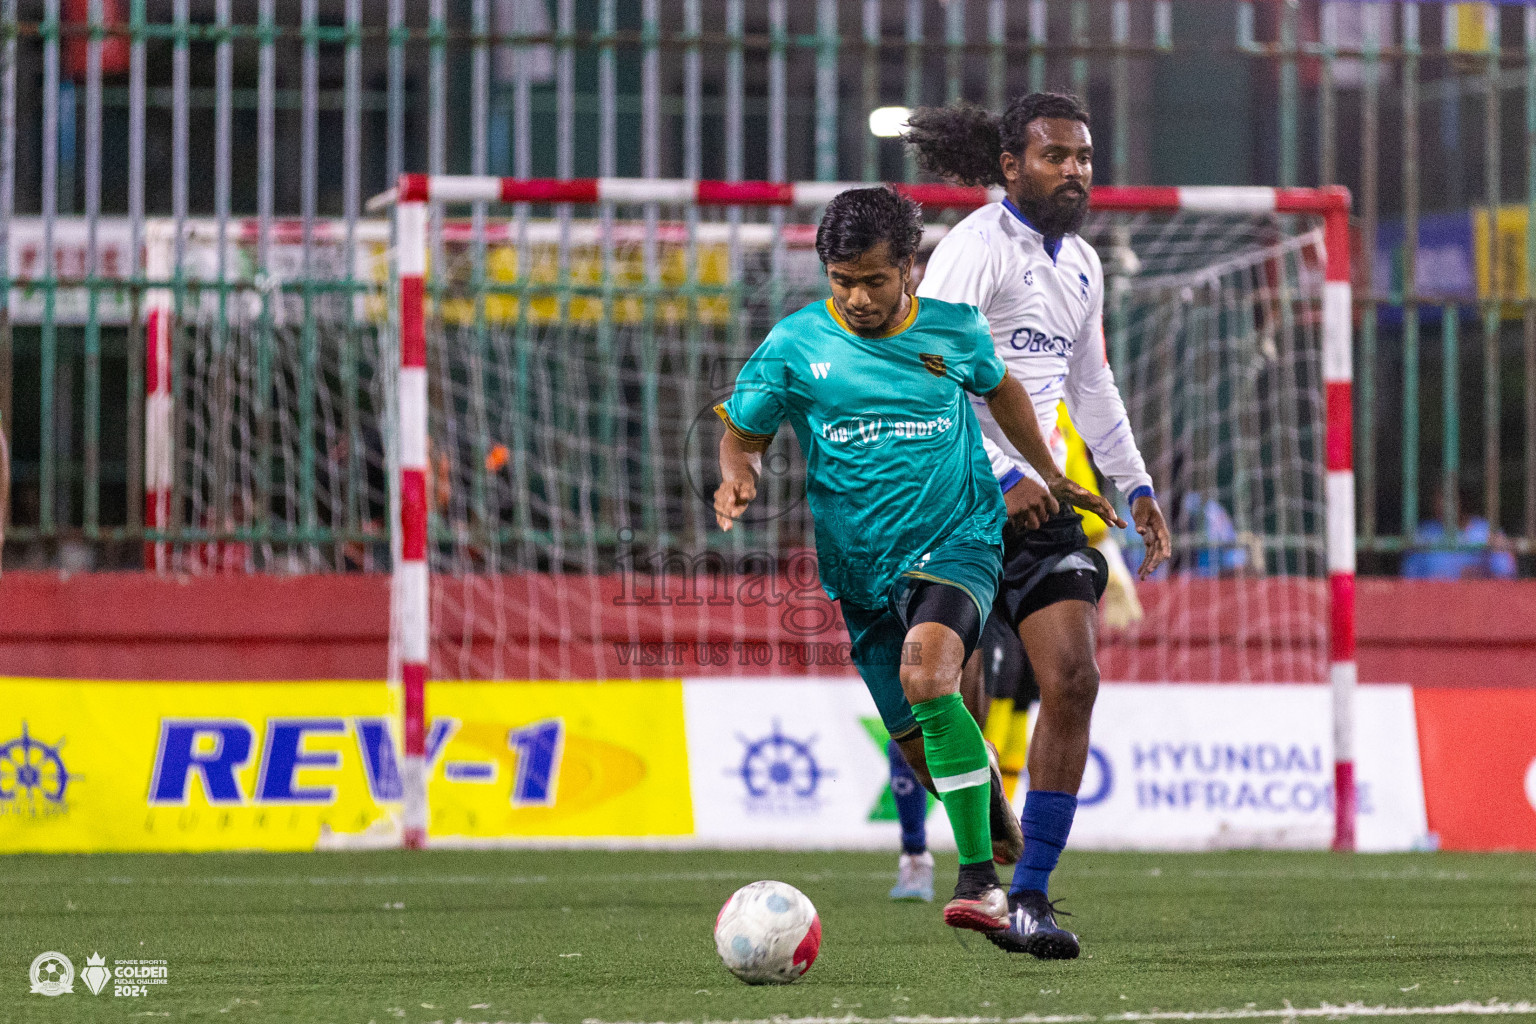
(178, 109)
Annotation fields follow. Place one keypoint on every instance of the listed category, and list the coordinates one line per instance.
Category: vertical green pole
(1530, 275)
(695, 364)
(1080, 39)
(48, 31)
(92, 482)
(187, 492)
(871, 86)
(914, 77)
(228, 474)
(394, 142)
(827, 43)
(1365, 443)
(954, 49)
(7, 211)
(1327, 135)
(309, 341)
(778, 17)
(591, 466)
(266, 161)
(1410, 292)
(997, 54)
(1450, 417)
(1288, 94)
(657, 523)
(1492, 311)
(607, 163)
(778, 21)
(1120, 37)
(134, 448)
(1037, 33)
(484, 520)
(356, 503)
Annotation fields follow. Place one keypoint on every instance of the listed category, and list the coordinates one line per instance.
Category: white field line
(1326, 1011)
(1403, 875)
(614, 879)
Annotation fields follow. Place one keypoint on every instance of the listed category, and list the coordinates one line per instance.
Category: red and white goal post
(1331, 301)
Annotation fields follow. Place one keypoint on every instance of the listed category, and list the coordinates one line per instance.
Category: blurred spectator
(1219, 551)
(1481, 554)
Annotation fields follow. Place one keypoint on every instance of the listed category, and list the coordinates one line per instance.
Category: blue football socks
(1047, 820)
(911, 801)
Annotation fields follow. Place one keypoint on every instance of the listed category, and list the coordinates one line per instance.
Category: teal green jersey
(894, 459)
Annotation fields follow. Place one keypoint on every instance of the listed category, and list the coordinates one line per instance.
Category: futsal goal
(502, 395)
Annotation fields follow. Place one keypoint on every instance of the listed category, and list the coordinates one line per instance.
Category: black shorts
(927, 601)
(1033, 576)
(1004, 665)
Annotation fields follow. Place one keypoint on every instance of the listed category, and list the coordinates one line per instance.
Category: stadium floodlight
(888, 122)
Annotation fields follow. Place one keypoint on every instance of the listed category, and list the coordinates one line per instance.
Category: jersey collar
(1052, 245)
(911, 318)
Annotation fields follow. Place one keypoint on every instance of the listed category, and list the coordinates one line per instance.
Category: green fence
(275, 130)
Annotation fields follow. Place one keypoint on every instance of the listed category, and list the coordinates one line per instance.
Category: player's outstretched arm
(1015, 414)
(741, 463)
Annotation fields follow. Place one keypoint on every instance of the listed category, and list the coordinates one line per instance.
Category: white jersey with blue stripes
(1045, 307)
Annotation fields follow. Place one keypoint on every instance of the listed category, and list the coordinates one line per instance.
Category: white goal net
(573, 363)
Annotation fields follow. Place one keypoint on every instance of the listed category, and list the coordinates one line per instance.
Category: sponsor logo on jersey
(934, 364)
(1029, 278)
(875, 431)
(1027, 339)
(1083, 280)
(820, 370)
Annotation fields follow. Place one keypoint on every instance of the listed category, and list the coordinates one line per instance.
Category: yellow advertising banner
(1509, 283)
(87, 766)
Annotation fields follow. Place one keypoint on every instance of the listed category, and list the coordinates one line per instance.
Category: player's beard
(1056, 213)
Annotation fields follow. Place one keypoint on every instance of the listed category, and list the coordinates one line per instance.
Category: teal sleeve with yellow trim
(757, 406)
(983, 370)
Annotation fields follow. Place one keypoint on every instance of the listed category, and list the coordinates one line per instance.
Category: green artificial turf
(572, 936)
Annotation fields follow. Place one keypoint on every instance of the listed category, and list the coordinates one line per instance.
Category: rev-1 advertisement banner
(796, 763)
(90, 766)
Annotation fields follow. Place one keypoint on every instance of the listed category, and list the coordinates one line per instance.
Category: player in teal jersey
(908, 514)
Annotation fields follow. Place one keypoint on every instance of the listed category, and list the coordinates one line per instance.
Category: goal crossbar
(413, 194)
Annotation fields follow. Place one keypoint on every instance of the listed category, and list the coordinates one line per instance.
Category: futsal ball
(768, 933)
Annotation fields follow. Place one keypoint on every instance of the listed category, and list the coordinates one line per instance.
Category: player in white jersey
(1041, 288)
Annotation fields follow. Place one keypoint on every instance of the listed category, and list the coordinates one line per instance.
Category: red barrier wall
(139, 626)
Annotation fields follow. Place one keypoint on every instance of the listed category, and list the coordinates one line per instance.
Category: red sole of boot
(974, 920)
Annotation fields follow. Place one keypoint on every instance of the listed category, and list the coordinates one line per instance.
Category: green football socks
(957, 760)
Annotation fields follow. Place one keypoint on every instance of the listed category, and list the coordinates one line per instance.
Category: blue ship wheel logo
(32, 768)
(780, 765)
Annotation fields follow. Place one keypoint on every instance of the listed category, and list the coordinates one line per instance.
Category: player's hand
(1029, 505)
(1069, 492)
(732, 497)
(1154, 534)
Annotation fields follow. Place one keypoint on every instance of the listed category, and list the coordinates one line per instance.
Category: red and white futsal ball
(768, 933)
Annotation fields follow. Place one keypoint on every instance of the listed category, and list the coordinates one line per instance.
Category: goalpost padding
(414, 192)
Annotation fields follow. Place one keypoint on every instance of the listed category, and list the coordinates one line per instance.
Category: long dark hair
(963, 142)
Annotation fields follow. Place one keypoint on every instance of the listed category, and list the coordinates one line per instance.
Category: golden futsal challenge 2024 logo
(53, 974)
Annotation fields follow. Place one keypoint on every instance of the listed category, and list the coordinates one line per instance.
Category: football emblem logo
(934, 364)
(52, 974)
